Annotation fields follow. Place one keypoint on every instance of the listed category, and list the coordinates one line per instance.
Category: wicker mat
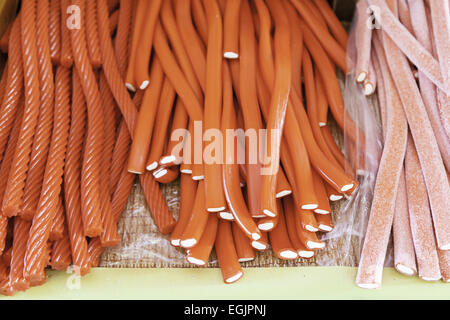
(142, 246)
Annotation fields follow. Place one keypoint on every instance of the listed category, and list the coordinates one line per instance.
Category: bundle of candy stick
(93, 92)
(406, 56)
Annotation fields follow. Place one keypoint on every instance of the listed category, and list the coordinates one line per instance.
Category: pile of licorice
(93, 91)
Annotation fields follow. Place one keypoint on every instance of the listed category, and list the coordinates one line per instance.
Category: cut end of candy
(310, 206)
(289, 254)
(144, 85)
(368, 285)
(230, 55)
(160, 173)
(226, 216)
(315, 245)
(321, 211)
(325, 228)
(258, 245)
(167, 159)
(256, 236)
(246, 259)
(266, 226)
(234, 278)
(311, 228)
(130, 87)
(368, 89)
(407, 271)
(175, 242)
(195, 261)
(431, 279)
(361, 76)
(197, 178)
(335, 197)
(269, 213)
(347, 187)
(186, 171)
(152, 166)
(283, 193)
(135, 171)
(188, 243)
(219, 209)
(322, 124)
(306, 254)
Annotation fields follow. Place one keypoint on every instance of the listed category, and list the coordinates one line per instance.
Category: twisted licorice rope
(109, 237)
(61, 252)
(4, 170)
(92, 40)
(157, 204)
(54, 29)
(121, 180)
(12, 200)
(111, 69)
(163, 217)
(122, 147)
(123, 35)
(51, 187)
(43, 131)
(19, 247)
(95, 249)
(90, 178)
(66, 59)
(123, 141)
(72, 178)
(3, 82)
(14, 85)
(57, 228)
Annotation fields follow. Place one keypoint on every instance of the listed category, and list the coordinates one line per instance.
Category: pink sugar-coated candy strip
(420, 217)
(383, 206)
(444, 260)
(363, 39)
(425, 141)
(404, 255)
(408, 44)
(440, 15)
(404, 15)
(427, 88)
(370, 83)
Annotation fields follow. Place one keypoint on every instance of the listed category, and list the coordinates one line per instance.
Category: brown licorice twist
(57, 227)
(72, 178)
(19, 247)
(14, 85)
(12, 200)
(111, 70)
(158, 207)
(66, 59)
(123, 35)
(54, 28)
(90, 177)
(4, 171)
(109, 237)
(95, 249)
(51, 187)
(122, 147)
(92, 39)
(43, 131)
(61, 252)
